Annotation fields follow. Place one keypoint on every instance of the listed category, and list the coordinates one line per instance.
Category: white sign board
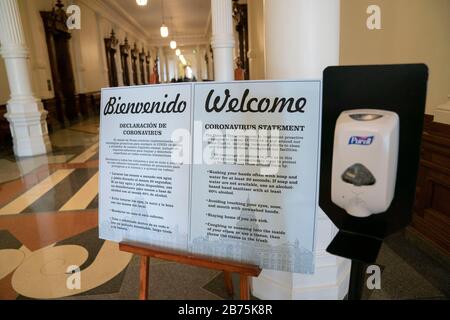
(226, 170)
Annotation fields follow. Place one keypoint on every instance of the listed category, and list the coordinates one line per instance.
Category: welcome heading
(213, 103)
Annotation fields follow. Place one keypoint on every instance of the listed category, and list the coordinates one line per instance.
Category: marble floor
(48, 223)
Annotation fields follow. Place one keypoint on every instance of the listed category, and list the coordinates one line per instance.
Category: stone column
(198, 58)
(119, 66)
(222, 39)
(80, 69)
(25, 113)
(102, 52)
(166, 62)
(174, 62)
(162, 65)
(211, 63)
(301, 39)
(203, 61)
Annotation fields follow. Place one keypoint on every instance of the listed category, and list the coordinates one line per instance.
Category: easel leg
(228, 283)
(245, 295)
(357, 275)
(143, 285)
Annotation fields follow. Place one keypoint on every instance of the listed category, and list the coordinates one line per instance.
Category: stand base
(355, 246)
(227, 267)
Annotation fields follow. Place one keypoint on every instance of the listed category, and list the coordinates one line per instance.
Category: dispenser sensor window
(358, 175)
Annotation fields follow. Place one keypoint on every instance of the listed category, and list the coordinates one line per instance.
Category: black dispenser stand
(357, 277)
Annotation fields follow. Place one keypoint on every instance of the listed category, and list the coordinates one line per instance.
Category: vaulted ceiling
(188, 20)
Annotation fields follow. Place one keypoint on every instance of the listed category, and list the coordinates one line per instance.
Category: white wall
(256, 53)
(87, 43)
(412, 31)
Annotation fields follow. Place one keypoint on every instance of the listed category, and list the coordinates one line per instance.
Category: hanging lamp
(163, 30)
(173, 43)
(141, 2)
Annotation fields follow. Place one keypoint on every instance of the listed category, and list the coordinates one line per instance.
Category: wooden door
(58, 37)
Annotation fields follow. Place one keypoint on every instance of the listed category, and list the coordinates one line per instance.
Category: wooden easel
(245, 271)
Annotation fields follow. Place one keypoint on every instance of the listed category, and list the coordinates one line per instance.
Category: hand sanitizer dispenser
(365, 159)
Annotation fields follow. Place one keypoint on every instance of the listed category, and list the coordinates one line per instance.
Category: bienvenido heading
(115, 106)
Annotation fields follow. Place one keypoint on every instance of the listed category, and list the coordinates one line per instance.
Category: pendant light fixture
(141, 2)
(178, 52)
(164, 30)
(173, 43)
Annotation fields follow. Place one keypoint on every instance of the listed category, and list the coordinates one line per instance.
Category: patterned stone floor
(48, 222)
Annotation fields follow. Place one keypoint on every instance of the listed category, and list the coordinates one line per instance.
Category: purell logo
(362, 141)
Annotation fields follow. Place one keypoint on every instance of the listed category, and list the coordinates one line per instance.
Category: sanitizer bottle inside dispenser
(365, 159)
